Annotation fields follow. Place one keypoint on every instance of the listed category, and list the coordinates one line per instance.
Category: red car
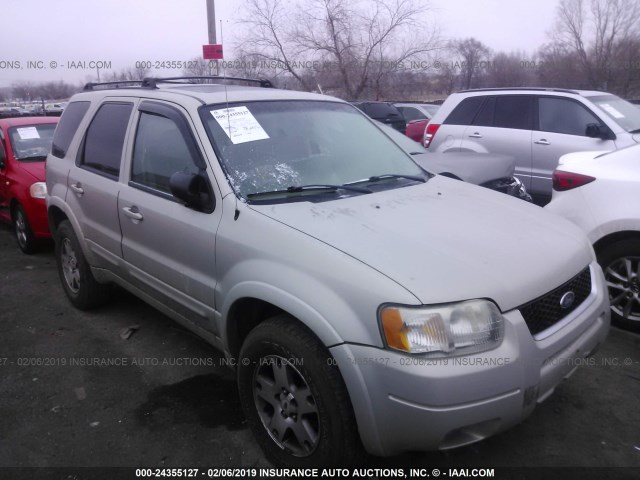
(24, 145)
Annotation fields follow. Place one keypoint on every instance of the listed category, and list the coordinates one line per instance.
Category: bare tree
(130, 73)
(473, 59)
(199, 67)
(510, 70)
(558, 66)
(46, 90)
(24, 90)
(593, 30)
(352, 45)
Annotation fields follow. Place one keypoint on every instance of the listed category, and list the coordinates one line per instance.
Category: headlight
(452, 329)
(38, 190)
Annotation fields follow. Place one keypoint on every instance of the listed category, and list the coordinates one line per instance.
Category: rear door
(503, 125)
(169, 249)
(449, 136)
(561, 128)
(93, 182)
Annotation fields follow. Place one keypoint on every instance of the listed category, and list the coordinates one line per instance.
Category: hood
(447, 241)
(35, 169)
(476, 168)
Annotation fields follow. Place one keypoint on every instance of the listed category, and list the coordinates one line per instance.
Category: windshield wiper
(637, 130)
(390, 176)
(312, 187)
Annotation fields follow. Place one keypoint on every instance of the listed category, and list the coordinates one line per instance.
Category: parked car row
(369, 299)
(536, 126)
(417, 116)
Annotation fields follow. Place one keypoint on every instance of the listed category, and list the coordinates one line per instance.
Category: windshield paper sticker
(611, 111)
(28, 133)
(239, 124)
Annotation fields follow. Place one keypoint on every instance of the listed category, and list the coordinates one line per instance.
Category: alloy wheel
(623, 281)
(70, 266)
(286, 406)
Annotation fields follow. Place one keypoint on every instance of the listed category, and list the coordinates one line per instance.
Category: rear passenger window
(513, 112)
(465, 112)
(485, 116)
(560, 115)
(69, 122)
(160, 151)
(105, 139)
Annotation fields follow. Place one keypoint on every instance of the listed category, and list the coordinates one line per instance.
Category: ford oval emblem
(567, 300)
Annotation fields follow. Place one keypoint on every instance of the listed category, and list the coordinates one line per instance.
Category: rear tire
(294, 397)
(78, 282)
(620, 262)
(23, 232)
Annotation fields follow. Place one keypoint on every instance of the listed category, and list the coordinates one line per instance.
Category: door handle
(132, 213)
(475, 135)
(77, 188)
(542, 141)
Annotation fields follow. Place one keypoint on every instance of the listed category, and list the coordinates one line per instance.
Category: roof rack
(119, 84)
(152, 82)
(539, 89)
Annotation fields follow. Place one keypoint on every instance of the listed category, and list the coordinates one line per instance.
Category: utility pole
(211, 26)
(211, 21)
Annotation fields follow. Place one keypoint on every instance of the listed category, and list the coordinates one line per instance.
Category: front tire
(620, 262)
(23, 232)
(78, 282)
(294, 397)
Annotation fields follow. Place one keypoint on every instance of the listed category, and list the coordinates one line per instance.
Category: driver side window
(160, 150)
(559, 115)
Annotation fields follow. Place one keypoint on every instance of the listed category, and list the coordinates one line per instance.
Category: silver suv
(536, 126)
(363, 300)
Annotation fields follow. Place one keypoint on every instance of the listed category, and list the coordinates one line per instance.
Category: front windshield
(620, 111)
(274, 145)
(31, 142)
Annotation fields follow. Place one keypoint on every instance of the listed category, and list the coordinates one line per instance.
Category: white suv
(534, 125)
(364, 300)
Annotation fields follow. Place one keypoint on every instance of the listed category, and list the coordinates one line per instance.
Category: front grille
(545, 311)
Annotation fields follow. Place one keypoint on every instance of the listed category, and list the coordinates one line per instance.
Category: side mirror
(598, 131)
(193, 190)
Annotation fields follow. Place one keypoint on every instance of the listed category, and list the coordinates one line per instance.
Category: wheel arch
(251, 303)
(56, 216)
(614, 237)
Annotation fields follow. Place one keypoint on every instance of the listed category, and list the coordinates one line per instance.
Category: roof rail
(152, 82)
(538, 89)
(119, 84)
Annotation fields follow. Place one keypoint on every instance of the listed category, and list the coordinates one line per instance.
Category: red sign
(212, 52)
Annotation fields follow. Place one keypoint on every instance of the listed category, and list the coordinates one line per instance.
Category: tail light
(429, 133)
(567, 181)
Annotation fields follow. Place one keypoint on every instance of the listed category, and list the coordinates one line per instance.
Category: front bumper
(406, 402)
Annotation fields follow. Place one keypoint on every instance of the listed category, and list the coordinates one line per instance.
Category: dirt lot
(170, 403)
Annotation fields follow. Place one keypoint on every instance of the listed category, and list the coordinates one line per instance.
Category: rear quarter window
(465, 111)
(66, 129)
(104, 140)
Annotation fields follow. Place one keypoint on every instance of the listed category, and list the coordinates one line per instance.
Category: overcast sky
(52, 34)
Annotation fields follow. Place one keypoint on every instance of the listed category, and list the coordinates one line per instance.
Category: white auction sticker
(239, 124)
(611, 111)
(28, 133)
